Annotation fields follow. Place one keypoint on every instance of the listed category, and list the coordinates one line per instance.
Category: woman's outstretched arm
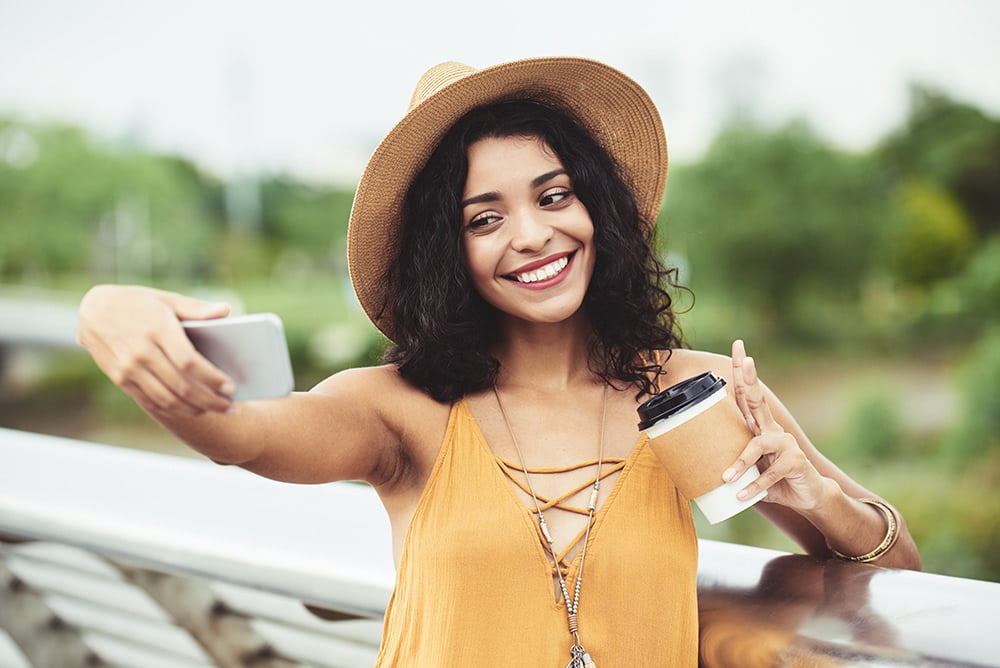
(337, 431)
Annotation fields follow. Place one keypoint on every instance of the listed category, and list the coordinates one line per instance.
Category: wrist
(827, 504)
(892, 523)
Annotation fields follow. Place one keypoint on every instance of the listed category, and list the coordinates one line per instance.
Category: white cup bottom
(721, 503)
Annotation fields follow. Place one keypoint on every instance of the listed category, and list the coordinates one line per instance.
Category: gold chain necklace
(579, 656)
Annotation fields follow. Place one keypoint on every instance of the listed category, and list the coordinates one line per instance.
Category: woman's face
(529, 242)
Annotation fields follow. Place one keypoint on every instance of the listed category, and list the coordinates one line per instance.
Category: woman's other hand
(135, 337)
(786, 472)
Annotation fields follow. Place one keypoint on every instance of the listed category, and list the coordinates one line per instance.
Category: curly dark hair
(445, 329)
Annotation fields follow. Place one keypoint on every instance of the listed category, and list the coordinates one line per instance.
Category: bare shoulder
(364, 380)
(415, 420)
(684, 363)
(382, 387)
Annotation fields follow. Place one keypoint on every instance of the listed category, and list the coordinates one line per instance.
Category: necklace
(579, 658)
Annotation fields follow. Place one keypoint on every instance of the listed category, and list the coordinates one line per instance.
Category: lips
(543, 272)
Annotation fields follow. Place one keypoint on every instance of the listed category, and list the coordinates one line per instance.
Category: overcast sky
(310, 86)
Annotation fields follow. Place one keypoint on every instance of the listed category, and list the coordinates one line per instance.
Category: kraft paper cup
(697, 431)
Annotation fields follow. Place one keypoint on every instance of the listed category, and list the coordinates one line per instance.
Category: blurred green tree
(953, 144)
(48, 205)
(69, 205)
(976, 435)
(309, 217)
(929, 237)
(980, 283)
(776, 216)
(873, 429)
(307, 225)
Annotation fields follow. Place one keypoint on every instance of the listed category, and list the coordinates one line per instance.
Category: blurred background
(833, 199)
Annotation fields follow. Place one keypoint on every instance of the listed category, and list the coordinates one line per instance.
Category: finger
(751, 453)
(739, 386)
(192, 365)
(145, 369)
(189, 308)
(754, 395)
(784, 463)
(149, 392)
(184, 383)
(764, 481)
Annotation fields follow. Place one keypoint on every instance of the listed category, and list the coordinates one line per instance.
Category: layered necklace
(579, 658)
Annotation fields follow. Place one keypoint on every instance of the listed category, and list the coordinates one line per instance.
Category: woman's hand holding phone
(135, 336)
(251, 349)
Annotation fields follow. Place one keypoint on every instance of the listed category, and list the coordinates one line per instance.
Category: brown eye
(483, 220)
(554, 198)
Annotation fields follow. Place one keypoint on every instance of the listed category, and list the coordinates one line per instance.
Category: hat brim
(610, 105)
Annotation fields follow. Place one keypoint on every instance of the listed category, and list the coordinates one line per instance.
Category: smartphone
(251, 349)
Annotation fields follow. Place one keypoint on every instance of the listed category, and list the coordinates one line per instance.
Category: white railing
(110, 556)
(33, 318)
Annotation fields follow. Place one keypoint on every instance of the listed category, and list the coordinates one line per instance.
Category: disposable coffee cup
(697, 431)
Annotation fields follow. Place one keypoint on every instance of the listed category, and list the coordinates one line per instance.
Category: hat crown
(438, 77)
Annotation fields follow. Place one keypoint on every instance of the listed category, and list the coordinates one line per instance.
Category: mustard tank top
(475, 582)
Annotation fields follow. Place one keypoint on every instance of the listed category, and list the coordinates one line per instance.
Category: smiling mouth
(543, 273)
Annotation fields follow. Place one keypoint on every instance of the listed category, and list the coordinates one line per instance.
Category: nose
(529, 232)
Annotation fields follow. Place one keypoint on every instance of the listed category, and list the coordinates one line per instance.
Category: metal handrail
(330, 546)
(27, 320)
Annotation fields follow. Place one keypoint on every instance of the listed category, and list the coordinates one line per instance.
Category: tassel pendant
(580, 658)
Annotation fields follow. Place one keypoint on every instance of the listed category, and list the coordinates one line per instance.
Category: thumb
(189, 308)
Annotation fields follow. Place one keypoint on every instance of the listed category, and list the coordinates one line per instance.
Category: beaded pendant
(580, 658)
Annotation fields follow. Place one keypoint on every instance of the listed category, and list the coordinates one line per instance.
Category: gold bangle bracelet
(891, 534)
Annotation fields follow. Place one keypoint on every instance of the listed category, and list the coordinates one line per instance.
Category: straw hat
(611, 106)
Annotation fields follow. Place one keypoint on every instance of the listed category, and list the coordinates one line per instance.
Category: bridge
(119, 557)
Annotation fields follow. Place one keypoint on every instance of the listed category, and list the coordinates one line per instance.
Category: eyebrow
(493, 196)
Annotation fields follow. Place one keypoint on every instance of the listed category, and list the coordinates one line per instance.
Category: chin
(552, 316)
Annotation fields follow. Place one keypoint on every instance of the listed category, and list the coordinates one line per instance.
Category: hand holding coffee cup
(732, 438)
(787, 474)
(697, 431)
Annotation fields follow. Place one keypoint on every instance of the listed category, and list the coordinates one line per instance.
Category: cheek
(587, 238)
(477, 261)
(585, 232)
(583, 224)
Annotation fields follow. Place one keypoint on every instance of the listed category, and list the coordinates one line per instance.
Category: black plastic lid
(678, 397)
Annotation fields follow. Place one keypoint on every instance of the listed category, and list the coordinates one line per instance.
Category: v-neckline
(528, 515)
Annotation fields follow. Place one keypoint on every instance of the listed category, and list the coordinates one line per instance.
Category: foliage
(873, 429)
(69, 205)
(33, 189)
(307, 217)
(776, 216)
(951, 144)
(929, 236)
(952, 516)
(980, 283)
(977, 431)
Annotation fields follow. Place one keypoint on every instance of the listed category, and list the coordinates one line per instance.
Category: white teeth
(542, 273)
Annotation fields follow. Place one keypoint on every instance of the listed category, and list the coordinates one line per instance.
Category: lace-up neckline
(515, 473)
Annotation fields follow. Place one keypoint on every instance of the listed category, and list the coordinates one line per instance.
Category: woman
(500, 238)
